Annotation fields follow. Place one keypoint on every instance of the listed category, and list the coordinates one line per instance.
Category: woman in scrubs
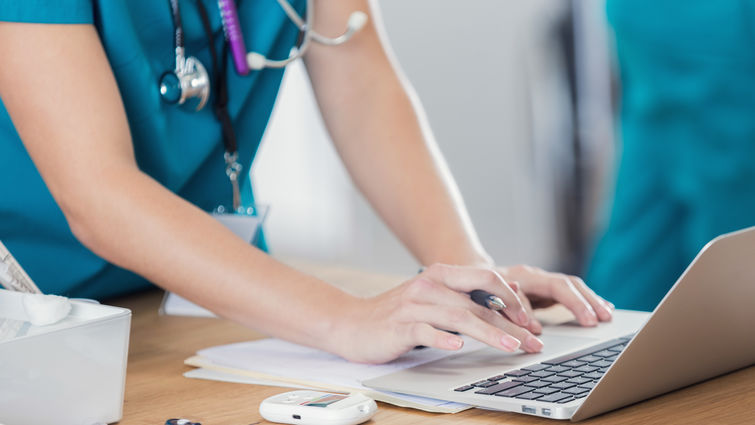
(106, 186)
(687, 170)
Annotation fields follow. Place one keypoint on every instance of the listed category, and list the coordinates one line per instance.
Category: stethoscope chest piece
(189, 81)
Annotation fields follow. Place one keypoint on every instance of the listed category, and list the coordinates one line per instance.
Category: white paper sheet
(292, 363)
(176, 305)
(214, 375)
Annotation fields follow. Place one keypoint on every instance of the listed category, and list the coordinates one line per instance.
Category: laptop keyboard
(558, 380)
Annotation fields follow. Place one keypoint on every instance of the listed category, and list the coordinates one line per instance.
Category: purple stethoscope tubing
(230, 16)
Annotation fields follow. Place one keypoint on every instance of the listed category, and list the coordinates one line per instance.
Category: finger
(424, 334)
(530, 343)
(479, 323)
(535, 326)
(514, 285)
(563, 291)
(467, 279)
(559, 288)
(602, 307)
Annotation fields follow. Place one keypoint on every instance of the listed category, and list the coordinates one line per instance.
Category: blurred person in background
(687, 164)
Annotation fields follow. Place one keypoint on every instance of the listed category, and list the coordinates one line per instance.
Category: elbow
(79, 218)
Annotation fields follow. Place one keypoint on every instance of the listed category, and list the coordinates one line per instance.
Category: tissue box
(69, 373)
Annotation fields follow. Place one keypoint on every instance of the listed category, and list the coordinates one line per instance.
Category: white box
(70, 373)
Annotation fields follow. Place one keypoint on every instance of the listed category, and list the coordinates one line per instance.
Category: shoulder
(48, 12)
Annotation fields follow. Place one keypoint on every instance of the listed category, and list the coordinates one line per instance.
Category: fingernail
(533, 343)
(524, 318)
(536, 327)
(606, 312)
(455, 342)
(510, 343)
(592, 318)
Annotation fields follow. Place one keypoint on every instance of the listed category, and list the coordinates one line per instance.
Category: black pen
(483, 298)
(487, 299)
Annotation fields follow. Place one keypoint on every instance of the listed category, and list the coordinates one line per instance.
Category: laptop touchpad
(490, 358)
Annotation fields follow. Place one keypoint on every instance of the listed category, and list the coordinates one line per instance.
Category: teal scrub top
(687, 167)
(180, 148)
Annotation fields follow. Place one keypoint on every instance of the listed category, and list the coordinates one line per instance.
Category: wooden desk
(156, 389)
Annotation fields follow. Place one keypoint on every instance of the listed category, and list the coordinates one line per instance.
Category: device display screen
(324, 401)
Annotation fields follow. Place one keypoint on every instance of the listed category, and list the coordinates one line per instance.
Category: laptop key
(555, 397)
(566, 400)
(601, 363)
(555, 378)
(562, 385)
(617, 348)
(525, 379)
(590, 358)
(535, 367)
(546, 390)
(576, 390)
(464, 388)
(593, 375)
(570, 374)
(484, 384)
(579, 380)
(538, 384)
(586, 369)
(496, 378)
(573, 363)
(513, 392)
(612, 358)
(498, 388)
(520, 372)
(557, 369)
(542, 374)
(588, 385)
(604, 353)
(529, 396)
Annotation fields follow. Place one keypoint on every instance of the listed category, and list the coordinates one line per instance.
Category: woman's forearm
(392, 156)
(381, 133)
(181, 248)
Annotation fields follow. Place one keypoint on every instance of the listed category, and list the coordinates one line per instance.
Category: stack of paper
(280, 363)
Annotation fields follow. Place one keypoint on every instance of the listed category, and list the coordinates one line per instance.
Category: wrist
(340, 337)
(474, 258)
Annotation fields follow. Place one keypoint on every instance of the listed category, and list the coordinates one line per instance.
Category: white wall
(470, 62)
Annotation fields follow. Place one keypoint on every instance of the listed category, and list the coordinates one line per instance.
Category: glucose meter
(318, 408)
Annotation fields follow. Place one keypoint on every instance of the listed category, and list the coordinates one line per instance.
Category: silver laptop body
(704, 327)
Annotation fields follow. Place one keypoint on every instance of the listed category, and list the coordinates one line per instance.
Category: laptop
(701, 329)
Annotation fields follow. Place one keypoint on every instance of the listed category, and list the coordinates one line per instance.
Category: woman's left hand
(538, 288)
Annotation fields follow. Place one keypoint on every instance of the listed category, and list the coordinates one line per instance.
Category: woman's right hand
(422, 311)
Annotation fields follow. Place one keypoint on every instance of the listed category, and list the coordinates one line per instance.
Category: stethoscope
(190, 79)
